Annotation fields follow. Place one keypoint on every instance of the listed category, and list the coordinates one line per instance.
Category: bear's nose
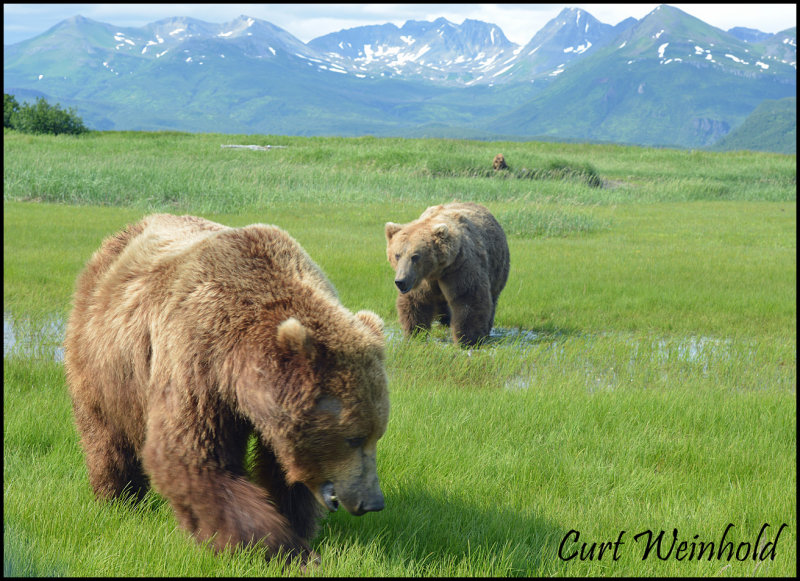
(402, 285)
(371, 505)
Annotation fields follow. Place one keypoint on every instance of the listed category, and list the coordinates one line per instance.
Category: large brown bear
(186, 337)
(449, 264)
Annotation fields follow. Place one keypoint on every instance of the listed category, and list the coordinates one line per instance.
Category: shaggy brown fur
(499, 162)
(186, 337)
(450, 264)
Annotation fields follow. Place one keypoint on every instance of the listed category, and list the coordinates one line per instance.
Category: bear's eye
(355, 442)
(397, 256)
(414, 257)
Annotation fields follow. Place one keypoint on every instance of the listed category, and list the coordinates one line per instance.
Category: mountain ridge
(576, 79)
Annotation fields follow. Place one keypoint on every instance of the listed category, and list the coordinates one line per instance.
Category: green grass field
(641, 375)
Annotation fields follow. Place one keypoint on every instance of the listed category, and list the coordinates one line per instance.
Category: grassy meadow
(641, 375)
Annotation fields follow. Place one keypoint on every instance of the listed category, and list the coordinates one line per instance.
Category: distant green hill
(772, 126)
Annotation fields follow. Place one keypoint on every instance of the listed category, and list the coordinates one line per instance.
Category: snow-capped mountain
(254, 38)
(669, 36)
(474, 53)
(71, 54)
(674, 74)
(668, 78)
(570, 36)
(438, 51)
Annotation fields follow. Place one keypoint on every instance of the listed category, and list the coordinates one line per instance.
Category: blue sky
(519, 22)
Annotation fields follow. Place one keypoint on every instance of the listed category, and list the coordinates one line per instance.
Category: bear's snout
(356, 501)
(403, 285)
(405, 278)
(372, 504)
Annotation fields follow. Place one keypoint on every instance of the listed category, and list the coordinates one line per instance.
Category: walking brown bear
(451, 263)
(186, 337)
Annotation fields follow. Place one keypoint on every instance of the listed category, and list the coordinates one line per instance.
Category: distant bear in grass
(499, 162)
(450, 264)
(188, 336)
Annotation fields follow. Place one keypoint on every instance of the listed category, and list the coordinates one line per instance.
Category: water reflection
(40, 339)
(597, 362)
(498, 336)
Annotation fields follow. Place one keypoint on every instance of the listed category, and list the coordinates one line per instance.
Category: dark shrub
(41, 117)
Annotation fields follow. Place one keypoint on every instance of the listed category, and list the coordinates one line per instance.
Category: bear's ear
(373, 322)
(391, 229)
(295, 338)
(441, 230)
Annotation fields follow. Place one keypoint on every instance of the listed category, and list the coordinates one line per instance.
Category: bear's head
(321, 405)
(420, 250)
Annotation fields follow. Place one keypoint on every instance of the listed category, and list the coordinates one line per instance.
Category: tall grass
(641, 374)
(181, 171)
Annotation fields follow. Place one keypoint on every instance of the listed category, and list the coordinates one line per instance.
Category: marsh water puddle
(41, 339)
(510, 336)
(595, 356)
(604, 361)
(608, 360)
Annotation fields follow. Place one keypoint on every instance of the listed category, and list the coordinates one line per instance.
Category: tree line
(40, 117)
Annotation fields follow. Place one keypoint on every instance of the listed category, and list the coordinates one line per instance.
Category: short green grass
(641, 376)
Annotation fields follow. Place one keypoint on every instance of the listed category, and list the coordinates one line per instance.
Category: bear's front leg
(296, 502)
(110, 455)
(204, 482)
(472, 316)
(414, 312)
